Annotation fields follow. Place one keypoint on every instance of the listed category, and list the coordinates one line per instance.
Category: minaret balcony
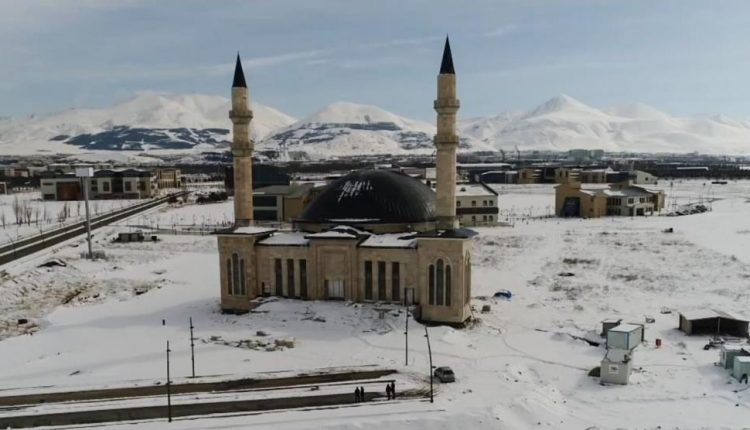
(452, 104)
(241, 115)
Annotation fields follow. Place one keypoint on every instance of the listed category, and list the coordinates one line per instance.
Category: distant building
(636, 177)
(579, 155)
(168, 178)
(263, 175)
(597, 200)
(283, 203)
(106, 184)
(476, 204)
(530, 175)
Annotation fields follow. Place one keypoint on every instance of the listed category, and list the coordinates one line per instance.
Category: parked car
(445, 374)
(503, 294)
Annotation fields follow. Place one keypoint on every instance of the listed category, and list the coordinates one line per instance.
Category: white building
(476, 204)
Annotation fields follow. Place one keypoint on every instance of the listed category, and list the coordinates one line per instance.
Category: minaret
(446, 142)
(242, 148)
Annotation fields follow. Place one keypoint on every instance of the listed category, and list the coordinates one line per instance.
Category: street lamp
(86, 173)
(429, 351)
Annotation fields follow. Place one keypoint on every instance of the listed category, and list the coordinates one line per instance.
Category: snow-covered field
(38, 215)
(518, 367)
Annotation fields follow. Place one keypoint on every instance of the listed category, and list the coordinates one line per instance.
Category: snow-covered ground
(46, 215)
(518, 367)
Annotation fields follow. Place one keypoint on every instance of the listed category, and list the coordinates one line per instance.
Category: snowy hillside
(146, 121)
(352, 129)
(564, 123)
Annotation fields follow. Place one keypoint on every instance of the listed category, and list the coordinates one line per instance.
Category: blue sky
(682, 56)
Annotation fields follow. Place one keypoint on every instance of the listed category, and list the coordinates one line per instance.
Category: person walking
(356, 395)
(362, 394)
(393, 390)
(388, 390)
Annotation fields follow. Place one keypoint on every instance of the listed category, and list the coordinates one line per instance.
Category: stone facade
(381, 237)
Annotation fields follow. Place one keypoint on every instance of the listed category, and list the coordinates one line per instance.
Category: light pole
(429, 352)
(406, 338)
(86, 173)
(169, 388)
(192, 346)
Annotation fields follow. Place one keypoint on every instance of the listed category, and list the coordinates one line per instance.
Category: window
(448, 285)
(484, 218)
(303, 278)
(473, 218)
(105, 186)
(128, 186)
(94, 187)
(278, 276)
(381, 280)
(458, 203)
(236, 275)
(484, 202)
(290, 278)
(439, 282)
(395, 282)
(368, 280)
(141, 186)
(473, 203)
(431, 286)
(229, 276)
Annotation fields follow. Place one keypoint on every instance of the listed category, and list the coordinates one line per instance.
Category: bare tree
(17, 210)
(2, 218)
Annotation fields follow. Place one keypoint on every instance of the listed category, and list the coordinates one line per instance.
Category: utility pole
(406, 338)
(429, 352)
(169, 388)
(192, 346)
(86, 173)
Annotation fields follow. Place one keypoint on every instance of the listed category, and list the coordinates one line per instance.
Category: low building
(636, 177)
(567, 174)
(713, 322)
(282, 203)
(105, 184)
(476, 204)
(530, 175)
(168, 178)
(597, 200)
(3, 188)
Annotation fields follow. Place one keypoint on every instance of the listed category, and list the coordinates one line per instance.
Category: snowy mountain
(153, 122)
(344, 128)
(564, 123)
(147, 121)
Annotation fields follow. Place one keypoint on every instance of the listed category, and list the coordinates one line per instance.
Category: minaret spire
(446, 66)
(446, 142)
(242, 148)
(239, 75)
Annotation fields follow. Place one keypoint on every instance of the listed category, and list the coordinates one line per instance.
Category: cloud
(501, 31)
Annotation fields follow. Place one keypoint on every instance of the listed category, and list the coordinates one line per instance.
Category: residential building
(476, 204)
(574, 199)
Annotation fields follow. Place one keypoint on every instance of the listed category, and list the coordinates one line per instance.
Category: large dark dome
(373, 197)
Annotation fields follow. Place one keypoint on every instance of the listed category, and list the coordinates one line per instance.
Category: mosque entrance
(334, 288)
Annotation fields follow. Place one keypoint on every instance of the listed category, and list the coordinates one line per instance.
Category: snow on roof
(625, 328)
(253, 229)
(472, 190)
(742, 359)
(702, 314)
(390, 240)
(294, 238)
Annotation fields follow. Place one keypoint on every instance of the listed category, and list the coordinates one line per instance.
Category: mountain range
(160, 123)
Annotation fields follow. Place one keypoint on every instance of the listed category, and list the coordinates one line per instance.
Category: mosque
(370, 236)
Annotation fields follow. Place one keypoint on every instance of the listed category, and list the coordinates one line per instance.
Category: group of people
(390, 391)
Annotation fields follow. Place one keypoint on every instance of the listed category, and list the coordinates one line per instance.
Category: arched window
(447, 285)
(242, 276)
(440, 283)
(431, 285)
(229, 276)
(236, 278)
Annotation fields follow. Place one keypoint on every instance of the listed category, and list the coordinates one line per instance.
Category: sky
(681, 56)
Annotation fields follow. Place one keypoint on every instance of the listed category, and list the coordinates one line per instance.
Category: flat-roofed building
(168, 178)
(476, 204)
(105, 184)
(574, 199)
